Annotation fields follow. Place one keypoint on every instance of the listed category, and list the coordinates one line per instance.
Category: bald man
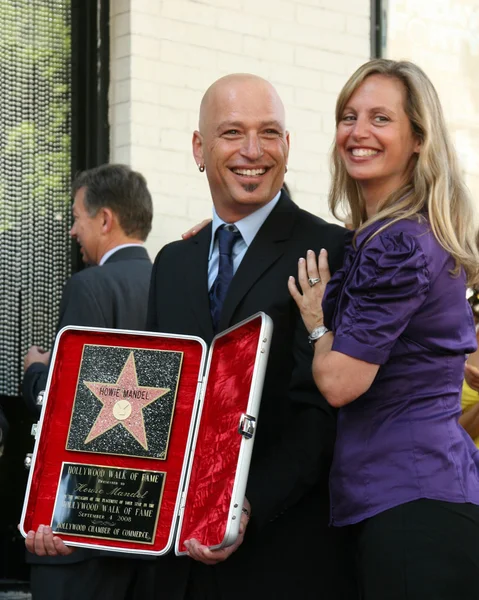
(286, 549)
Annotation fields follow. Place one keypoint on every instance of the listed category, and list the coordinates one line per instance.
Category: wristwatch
(316, 334)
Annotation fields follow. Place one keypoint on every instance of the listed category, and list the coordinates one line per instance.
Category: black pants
(94, 579)
(422, 550)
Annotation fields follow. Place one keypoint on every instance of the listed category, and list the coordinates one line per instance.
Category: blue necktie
(227, 236)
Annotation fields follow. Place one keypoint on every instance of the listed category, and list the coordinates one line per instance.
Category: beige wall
(165, 53)
(442, 36)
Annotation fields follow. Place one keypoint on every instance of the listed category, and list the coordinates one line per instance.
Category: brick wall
(165, 53)
(441, 36)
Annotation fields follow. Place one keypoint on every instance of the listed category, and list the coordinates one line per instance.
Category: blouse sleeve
(389, 284)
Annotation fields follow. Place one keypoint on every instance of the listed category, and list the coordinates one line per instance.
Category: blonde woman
(389, 349)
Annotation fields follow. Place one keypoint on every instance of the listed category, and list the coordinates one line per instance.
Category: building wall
(442, 36)
(165, 53)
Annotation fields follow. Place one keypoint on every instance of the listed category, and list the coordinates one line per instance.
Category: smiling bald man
(287, 549)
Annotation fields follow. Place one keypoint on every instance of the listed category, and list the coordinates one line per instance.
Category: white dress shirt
(107, 255)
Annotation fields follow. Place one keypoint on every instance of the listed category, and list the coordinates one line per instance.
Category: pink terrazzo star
(123, 403)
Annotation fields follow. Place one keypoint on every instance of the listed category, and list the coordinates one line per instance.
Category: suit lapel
(267, 247)
(197, 281)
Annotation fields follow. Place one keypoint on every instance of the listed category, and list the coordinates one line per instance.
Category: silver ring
(313, 281)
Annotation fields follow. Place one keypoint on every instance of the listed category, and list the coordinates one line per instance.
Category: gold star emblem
(123, 403)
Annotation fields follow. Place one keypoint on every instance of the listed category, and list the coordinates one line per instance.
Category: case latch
(247, 426)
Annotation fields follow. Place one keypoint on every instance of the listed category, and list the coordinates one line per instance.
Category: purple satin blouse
(395, 304)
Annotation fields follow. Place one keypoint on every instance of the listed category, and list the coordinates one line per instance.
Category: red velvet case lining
(217, 449)
(51, 450)
(218, 443)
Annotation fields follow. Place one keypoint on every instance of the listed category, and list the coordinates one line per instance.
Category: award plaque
(108, 503)
(145, 439)
(124, 401)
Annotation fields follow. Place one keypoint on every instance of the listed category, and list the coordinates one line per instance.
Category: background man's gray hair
(122, 190)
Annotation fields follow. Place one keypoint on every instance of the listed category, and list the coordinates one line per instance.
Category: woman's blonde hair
(435, 182)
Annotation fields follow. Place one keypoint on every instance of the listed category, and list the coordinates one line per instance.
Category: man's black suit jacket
(289, 551)
(113, 295)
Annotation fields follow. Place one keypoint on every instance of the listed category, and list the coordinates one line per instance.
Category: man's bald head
(242, 144)
(233, 86)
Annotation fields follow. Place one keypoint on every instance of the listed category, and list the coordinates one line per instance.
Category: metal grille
(35, 85)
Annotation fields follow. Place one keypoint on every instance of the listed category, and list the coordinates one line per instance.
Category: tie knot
(227, 236)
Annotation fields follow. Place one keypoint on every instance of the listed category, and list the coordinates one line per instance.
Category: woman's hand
(312, 276)
(194, 230)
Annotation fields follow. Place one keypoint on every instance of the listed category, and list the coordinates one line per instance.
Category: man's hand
(36, 355)
(44, 543)
(194, 230)
(212, 557)
(471, 375)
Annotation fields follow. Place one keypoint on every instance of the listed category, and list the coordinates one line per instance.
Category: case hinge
(27, 462)
(247, 426)
(183, 500)
(40, 397)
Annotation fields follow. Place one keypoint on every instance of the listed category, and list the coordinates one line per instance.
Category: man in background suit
(287, 550)
(112, 216)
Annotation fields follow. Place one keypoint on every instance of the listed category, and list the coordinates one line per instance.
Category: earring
(201, 168)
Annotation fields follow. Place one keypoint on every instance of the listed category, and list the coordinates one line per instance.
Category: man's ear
(197, 145)
(286, 137)
(107, 219)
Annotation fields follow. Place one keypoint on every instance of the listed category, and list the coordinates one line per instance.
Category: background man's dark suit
(114, 295)
(288, 552)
